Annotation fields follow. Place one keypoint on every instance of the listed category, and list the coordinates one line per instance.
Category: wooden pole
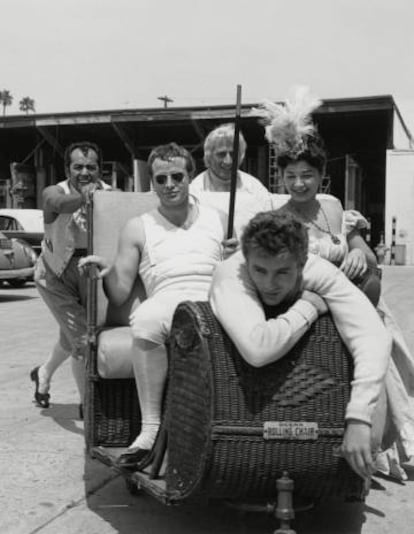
(235, 164)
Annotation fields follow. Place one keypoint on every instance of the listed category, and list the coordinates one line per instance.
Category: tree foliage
(6, 99)
(27, 104)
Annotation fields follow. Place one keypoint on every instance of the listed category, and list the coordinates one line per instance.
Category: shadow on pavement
(409, 469)
(65, 415)
(5, 285)
(109, 498)
(129, 514)
(14, 297)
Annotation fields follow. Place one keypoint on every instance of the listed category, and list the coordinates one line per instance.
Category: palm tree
(6, 99)
(27, 104)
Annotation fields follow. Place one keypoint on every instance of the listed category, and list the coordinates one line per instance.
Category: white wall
(399, 203)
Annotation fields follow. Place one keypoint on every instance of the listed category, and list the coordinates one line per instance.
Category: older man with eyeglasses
(175, 248)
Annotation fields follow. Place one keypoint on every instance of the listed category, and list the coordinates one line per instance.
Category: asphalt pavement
(49, 486)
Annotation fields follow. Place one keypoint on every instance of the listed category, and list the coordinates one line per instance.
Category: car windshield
(29, 220)
(5, 243)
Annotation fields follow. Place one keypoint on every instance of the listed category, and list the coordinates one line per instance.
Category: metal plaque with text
(295, 430)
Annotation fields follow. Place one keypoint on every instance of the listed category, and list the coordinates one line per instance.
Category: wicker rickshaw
(229, 431)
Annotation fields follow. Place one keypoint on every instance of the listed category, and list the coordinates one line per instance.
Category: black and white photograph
(207, 267)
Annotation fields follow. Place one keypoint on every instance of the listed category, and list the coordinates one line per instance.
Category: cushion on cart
(115, 352)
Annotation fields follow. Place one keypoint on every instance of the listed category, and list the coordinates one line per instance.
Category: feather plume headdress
(288, 126)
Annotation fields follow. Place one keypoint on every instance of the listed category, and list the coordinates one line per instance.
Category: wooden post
(235, 164)
(137, 185)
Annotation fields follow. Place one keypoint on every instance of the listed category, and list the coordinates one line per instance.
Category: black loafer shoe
(132, 458)
(42, 399)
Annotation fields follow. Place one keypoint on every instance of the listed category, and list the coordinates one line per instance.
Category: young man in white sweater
(268, 295)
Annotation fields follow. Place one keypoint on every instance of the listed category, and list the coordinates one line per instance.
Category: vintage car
(23, 224)
(17, 260)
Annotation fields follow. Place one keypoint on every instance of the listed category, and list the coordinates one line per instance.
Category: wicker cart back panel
(116, 416)
(218, 404)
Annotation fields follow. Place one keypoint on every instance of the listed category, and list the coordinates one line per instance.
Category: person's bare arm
(119, 277)
(360, 256)
(56, 201)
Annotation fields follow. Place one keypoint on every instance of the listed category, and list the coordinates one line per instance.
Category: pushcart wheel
(132, 487)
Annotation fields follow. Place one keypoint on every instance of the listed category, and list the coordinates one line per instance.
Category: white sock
(146, 438)
(150, 370)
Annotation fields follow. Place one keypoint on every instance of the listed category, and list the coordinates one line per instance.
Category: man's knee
(147, 330)
(145, 344)
(149, 324)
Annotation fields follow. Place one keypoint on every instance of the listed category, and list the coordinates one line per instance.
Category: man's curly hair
(272, 232)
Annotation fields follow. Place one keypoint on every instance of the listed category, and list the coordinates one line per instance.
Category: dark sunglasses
(176, 177)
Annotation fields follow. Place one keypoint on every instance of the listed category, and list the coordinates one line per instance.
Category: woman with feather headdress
(334, 235)
(301, 158)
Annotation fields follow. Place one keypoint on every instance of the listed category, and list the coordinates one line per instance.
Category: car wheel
(17, 282)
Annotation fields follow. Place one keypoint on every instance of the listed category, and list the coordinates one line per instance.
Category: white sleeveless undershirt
(180, 259)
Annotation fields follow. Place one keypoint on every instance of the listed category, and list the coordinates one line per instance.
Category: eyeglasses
(176, 177)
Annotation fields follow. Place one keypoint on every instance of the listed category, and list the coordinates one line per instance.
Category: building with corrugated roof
(370, 150)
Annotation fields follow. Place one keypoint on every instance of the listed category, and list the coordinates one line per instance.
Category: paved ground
(47, 485)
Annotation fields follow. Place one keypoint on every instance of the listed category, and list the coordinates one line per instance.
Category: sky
(80, 55)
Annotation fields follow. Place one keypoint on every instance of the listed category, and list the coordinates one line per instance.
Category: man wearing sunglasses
(175, 248)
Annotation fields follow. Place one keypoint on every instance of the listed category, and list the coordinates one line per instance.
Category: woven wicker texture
(113, 415)
(217, 405)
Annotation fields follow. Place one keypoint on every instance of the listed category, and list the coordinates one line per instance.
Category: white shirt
(245, 183)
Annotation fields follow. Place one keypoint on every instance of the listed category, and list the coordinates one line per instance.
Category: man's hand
(88, 189)
(355, 264)
(356, 447)
(230, 246)
(86, 264)
(317, 301)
